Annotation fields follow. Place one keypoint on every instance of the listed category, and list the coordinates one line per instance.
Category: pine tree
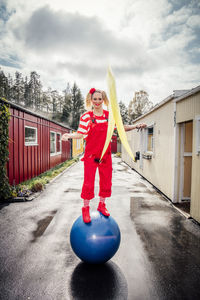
(77, 106)
(34, 90)
(10, 95)
(3, 85)
(67, 107)
(18, 88)
(55, 99)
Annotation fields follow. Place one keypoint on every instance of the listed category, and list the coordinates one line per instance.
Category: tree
(18, 88)
(77, 106)
(55, 103)
(139, 105)
(3, 85)
(26, 92)
(67, 107)
(124, 113)
(10, 95)
(34, 90)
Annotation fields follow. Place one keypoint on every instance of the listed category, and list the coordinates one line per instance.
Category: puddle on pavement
(103, 281)
(172, 249)
(140, 185)
(42, 226)
(71, 190)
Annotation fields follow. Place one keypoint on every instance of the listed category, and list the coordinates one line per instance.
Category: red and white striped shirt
(85, 119)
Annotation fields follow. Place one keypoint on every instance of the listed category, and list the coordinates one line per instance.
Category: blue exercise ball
(95, 242)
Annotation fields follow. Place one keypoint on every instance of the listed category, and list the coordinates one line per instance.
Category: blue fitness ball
(95, 242)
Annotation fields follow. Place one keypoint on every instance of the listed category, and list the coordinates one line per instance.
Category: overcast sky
(152, 45)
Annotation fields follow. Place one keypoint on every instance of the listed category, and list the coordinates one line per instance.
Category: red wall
(114, 144)
(26, 162)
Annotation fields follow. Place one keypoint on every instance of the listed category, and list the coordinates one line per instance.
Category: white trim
(186, 198)
(187, 154)
(141, 148)
(30, 143)
(60, 143)
(175, 173)
(101, 121)
(197, 124)
(53, 153)
(181, 162)
(151, 125)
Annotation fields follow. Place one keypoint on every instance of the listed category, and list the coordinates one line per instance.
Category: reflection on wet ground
(172, 245)
(158, 258)
(42, 226)
(98, 282)
(71, 190)
(185, 206)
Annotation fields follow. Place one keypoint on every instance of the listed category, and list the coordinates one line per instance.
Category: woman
(93, 127)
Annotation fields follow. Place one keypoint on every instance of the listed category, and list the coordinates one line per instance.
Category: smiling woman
(93, 127)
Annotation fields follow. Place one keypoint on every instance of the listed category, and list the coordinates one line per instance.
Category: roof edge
(156, 106)
(33, 113)
(189, 93)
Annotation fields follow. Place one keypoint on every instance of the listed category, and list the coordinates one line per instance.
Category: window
(55, 143)
(30, 136)
(148, 142)
(78, 144)
(58, 143)
(150, 139)
(197, 135)
(52, 142)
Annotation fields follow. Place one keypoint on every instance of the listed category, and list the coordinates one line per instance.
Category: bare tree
(139, 105)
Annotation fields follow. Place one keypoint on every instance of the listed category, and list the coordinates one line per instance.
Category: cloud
(152, 45)
(49, 30)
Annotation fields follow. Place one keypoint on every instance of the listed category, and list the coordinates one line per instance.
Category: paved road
(159, 255)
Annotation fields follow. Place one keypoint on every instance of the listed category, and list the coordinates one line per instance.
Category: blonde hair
(88, 100)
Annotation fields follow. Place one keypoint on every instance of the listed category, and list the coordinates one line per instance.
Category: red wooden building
(114, 144)
(35, 144)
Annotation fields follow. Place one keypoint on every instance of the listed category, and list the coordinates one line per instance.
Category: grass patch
(37, 184)
(118, 154)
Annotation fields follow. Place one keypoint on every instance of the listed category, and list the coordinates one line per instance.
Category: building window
(52, 143)
(30, 136)
(150, 139)
(55, 143)
(58, 142)
(197, 135)
(78, 144)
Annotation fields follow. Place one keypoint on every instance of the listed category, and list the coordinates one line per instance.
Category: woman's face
(97, 99)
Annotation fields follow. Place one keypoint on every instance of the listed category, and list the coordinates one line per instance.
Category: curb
(182, 212)
(36, 194)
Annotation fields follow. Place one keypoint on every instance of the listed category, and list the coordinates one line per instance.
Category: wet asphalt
(158, 258)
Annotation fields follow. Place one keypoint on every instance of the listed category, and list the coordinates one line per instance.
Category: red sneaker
(102, 208)
(86, 214)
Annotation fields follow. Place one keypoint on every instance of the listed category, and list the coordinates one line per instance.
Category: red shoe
(102, 208)
(86, 214)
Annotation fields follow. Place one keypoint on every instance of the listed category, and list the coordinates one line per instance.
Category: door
(186, 160)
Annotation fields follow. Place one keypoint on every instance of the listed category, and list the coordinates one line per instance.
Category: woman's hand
(65, 137)
(141, 126)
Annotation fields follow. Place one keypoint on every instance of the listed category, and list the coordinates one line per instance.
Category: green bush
(118, 154)
(5, 188)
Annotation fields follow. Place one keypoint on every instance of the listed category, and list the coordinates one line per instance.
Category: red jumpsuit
(94, 145)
